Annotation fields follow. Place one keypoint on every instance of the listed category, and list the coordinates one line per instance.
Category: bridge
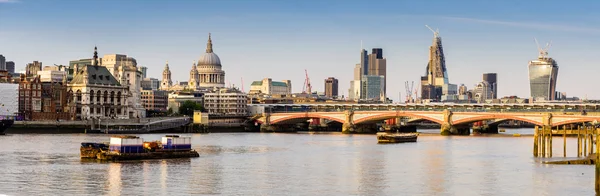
(453, 118)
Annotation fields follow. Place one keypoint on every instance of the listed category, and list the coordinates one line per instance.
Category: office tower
(436, 73)
(543, 73)
(377, 65)
(10, 67)
(331, 87)
(2, 62)
(491, 78)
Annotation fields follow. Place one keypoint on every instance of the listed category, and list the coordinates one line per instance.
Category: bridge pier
(348, 128)
(489, 128)
(267, 128)
(448, 129)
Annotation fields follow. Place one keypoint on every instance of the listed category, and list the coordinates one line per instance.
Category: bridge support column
(348, 126)
(449, 129)
(267, 128)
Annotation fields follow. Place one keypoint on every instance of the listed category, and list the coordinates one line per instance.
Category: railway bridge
(453, 118)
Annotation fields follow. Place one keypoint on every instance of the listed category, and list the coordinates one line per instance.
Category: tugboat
(5, 124)
(134, 148)
(386, 137)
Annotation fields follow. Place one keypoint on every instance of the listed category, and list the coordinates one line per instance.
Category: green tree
(188, 107)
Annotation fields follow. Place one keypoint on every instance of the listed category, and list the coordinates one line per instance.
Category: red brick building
(30, 97)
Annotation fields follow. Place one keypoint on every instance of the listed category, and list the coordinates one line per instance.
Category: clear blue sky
(281, 38)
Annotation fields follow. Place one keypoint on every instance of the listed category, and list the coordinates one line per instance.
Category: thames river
(295, 164)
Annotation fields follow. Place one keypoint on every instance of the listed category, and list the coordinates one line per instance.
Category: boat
(134, 148)
(5, 124)
(383, 138)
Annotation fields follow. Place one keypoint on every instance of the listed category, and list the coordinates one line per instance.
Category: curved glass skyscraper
(543, 73)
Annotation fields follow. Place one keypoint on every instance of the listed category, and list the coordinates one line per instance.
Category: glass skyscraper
(372, 87)
(543, 73)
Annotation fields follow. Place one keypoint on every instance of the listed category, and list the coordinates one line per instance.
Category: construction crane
(409, 91)
(543, 51)
(307, 88)
(435, 33)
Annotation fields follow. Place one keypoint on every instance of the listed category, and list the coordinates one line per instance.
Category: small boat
(5, 124)
(134, 148)
(396, 137)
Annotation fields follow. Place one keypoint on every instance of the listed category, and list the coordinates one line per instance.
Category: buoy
(517, 135)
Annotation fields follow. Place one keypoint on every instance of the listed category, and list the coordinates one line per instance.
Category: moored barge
(134, 148)
(384, 138)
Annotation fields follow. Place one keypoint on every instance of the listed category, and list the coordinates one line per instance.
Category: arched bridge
(449, 120)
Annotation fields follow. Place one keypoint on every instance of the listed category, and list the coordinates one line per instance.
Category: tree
(170, 111)
(188, 107)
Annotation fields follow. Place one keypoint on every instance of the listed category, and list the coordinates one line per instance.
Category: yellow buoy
(516, 135)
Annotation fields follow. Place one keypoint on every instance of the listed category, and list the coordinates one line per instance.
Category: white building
(269, 87)
(9, 99)
(226, 102)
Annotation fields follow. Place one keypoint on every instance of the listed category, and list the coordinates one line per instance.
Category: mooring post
(597, 162)
(543, 140)
(535, 142)
(584, 139)
(564, 141)
(550, 138)
(578, 141)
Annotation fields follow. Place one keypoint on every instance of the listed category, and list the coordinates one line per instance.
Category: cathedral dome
(209, 58)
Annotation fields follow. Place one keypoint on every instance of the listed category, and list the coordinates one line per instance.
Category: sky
(281, 39)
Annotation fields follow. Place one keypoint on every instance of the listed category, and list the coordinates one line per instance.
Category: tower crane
(409, 91)
(307, 89)
(242, 78)
(543, 51)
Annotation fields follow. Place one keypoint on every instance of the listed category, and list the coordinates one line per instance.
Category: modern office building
(150, 84)
(482, 91)
(492, 79)
(377, 65)
(543, 73)
(364, 63)
(372, 88)
(10, 67)
(269, 87)
(2, 62)
(144, 70)
(226, 102)
(331, 87)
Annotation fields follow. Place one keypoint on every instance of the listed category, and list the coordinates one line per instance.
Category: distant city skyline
(261, 39)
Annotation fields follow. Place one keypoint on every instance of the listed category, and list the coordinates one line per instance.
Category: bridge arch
(579, 120)
(502, 117)
(388, 115)
(308, 115)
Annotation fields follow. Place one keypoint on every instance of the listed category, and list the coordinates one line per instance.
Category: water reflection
(293, 164)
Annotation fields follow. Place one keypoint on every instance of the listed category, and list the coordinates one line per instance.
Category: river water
(295, 164)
